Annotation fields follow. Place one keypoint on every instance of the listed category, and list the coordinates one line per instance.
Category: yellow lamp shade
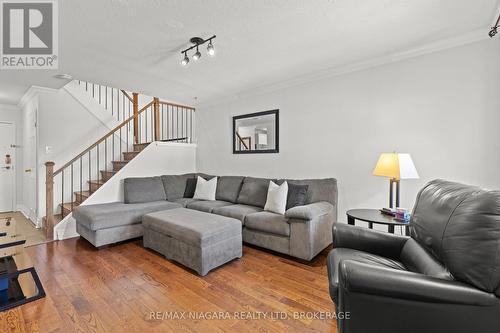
(395, 166)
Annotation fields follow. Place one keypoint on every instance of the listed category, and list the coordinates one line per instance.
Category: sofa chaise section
(103, 224)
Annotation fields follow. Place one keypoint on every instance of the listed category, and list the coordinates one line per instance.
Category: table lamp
(395, 167)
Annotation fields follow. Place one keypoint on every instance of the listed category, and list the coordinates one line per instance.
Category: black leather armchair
(444, 278)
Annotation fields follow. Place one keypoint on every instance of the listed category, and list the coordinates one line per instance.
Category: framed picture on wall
(256, 133)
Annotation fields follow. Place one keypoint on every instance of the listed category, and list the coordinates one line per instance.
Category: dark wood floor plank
(124, 288)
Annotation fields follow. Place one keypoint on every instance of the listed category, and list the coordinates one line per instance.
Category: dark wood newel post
(49, 199)
(135, 103)
(156, 109)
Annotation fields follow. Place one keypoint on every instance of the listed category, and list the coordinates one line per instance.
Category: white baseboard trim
(25, 211)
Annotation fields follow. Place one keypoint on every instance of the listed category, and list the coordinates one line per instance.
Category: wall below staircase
(159, 158)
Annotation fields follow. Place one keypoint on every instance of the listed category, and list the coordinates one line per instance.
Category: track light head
(210, 49)
(197, 55)
(185, 60)
(493, 32)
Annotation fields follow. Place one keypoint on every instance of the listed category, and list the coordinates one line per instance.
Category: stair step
(140, 146)
(95, 184)
(106, 175)
(66, 207)
(117, 165)
(81, 196)
(129, 155)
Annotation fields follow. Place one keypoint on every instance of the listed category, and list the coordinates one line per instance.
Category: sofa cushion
(144, 189)
(318, 189)
(228, 188)
(175, 185)
(268, 222)
(254, 192)
(296, 195)
(207, 205)
(109, 215)
(184, 201)
(337, 255)
(193, 227)
(237, 211)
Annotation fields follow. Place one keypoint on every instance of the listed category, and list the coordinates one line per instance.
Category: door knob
(27, 170)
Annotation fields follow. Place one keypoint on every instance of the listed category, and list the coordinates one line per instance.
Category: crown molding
(441, 45)
(32, 92)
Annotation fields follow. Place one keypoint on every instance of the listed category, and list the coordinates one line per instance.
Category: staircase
(95, 184)
(74, 182)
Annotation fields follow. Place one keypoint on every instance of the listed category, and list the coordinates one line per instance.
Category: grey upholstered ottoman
(198, 240)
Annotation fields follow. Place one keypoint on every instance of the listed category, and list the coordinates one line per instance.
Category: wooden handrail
(127, 95)
(103, 138)
(241, 140)
(178, 105)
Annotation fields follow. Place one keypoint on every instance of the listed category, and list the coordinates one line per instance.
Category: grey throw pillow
(296, 195)
(145, 189)
(190, 187)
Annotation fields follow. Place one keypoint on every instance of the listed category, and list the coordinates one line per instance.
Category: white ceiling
(135, 44)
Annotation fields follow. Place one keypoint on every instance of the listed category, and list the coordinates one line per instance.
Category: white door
(7, 141)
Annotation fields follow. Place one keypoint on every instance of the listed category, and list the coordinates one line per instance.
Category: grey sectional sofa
(302, 232)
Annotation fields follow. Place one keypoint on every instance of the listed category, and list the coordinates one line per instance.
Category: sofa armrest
(310, 211)
(368, 240)
(363, 278)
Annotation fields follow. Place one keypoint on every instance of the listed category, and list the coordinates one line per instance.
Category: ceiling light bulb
(197, 55)
(185, 61)
(211, 49)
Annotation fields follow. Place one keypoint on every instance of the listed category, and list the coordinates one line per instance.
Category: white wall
(442, 108)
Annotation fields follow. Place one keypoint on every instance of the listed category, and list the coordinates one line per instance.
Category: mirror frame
(276, 149)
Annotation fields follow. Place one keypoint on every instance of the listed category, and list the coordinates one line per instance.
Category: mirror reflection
(256, 133)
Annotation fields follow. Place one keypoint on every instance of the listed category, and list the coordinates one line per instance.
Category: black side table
(375, 216)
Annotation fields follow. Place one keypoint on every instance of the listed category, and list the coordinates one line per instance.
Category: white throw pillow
(205, 189)
(276, 198)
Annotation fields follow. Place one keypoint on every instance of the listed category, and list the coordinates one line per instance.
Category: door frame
(14, 159)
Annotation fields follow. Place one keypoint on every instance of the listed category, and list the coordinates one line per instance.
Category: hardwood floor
(126, 288)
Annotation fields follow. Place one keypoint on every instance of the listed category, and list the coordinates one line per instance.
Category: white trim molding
(32, 92)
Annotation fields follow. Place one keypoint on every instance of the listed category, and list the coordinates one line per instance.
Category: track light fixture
(494, 28)
(197, 41)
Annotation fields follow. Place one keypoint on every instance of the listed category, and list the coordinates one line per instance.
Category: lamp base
(393, 183)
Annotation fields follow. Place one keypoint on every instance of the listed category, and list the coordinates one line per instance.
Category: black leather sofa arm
(368, 240)
(362, 278)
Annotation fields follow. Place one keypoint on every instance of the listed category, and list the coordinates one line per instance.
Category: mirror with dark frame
(256, 133)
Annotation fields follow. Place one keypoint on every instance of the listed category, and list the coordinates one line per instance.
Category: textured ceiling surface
(136, 44)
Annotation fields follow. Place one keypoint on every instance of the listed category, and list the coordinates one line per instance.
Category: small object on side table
(376, 216)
